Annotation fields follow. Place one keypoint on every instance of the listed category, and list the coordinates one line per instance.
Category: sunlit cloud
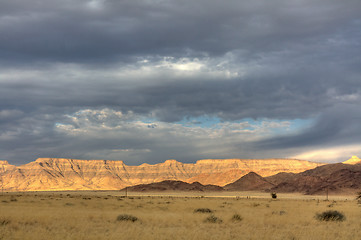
(330, 154)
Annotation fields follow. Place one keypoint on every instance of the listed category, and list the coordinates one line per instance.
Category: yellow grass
(93, 215)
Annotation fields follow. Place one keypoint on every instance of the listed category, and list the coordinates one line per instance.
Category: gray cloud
(76, 32)
(165, 61)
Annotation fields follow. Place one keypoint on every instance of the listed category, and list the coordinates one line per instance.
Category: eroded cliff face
(4, 165)
(222, 172)
(72, 174)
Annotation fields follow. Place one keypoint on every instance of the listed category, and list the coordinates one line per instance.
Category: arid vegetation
(108, 215)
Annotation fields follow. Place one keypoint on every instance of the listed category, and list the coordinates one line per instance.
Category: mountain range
(73, 174)
(337, 178)
(279, 175)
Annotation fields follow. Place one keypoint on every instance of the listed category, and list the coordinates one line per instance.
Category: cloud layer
(144, 81)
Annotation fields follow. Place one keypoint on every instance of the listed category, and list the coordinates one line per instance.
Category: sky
(150, 80)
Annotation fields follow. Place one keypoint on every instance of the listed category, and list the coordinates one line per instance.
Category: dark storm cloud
(231, 99)
(280, 60)
(83, 31)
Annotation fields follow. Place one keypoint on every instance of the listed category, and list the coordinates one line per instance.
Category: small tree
(274, 195)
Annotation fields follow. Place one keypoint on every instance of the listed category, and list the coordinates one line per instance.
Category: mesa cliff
(353, 160)
(72, 174)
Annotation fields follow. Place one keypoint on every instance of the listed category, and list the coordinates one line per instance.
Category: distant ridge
(171, 185)
(75, 174)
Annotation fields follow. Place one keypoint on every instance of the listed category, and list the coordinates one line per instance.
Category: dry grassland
(90, 216)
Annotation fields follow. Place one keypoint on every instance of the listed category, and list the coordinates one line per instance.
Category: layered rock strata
(72, 174)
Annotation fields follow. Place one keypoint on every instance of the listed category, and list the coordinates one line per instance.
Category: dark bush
(126, 217)
(330, 216)
(203, 210)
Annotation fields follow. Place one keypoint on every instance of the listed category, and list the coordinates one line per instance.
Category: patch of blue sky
(300, 124)
(148, 120)
(202, 121)
(214, 122)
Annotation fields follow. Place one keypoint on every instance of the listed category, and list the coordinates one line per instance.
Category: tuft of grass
(4, 221)
(203, 210)
(127, 217)
(237, 218)
(330, 216)
(213, 219)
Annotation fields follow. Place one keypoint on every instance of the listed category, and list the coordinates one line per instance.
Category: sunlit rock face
(222, 172)
(353, 160)
(4, 165)
(72, 174)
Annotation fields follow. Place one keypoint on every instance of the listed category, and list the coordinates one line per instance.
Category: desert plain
(174, 215)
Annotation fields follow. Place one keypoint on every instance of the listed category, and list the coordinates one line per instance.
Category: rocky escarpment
(222, 172)
(72, 174)
(4, 166)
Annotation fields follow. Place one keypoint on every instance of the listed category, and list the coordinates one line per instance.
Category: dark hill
(250, 182)
(170, 185)
(334, 178)
(281, 177)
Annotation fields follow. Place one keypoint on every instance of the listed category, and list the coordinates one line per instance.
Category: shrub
(126, 217)
(203, 210)
(274, 195)
(237, 217)
(330, 216)
(4, 221)
(213, 219)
